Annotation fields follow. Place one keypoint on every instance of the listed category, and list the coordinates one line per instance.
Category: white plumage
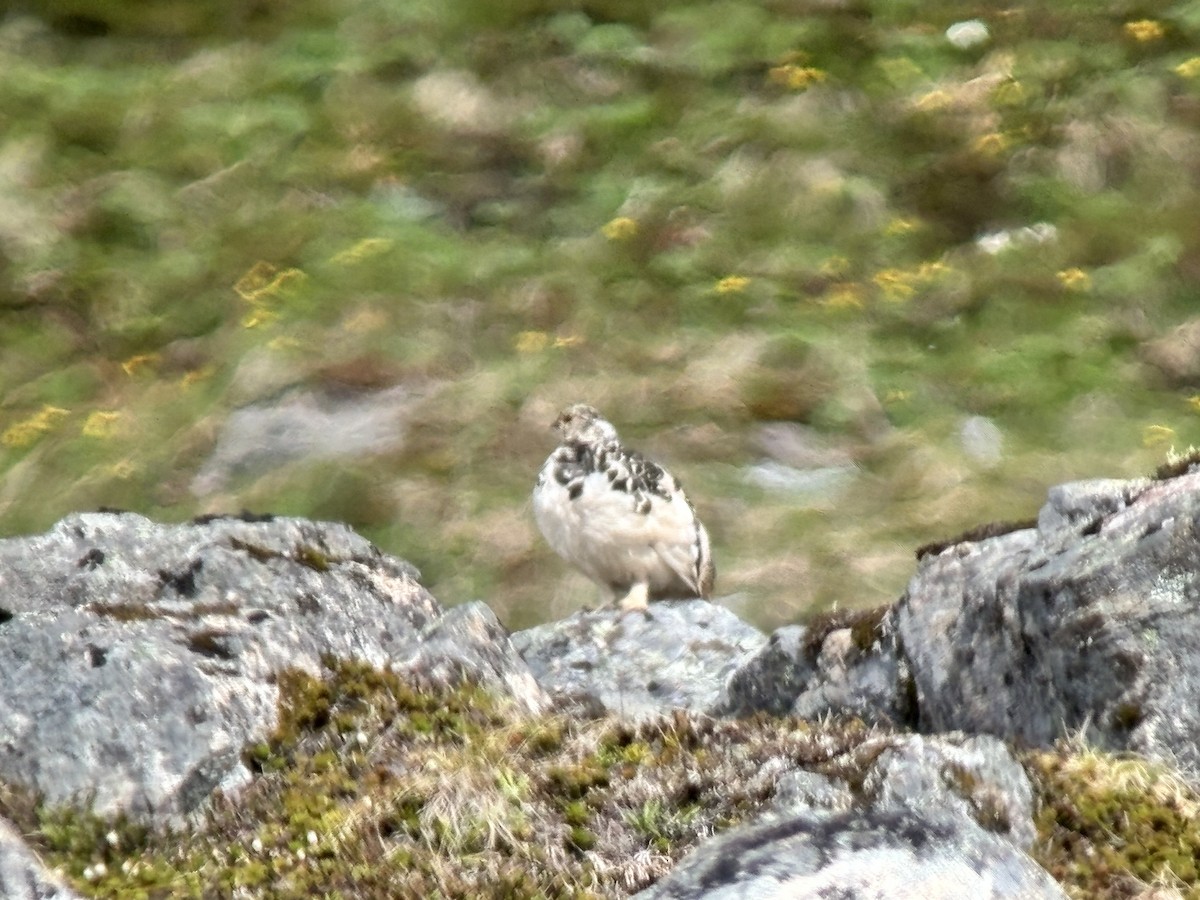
(619, 518)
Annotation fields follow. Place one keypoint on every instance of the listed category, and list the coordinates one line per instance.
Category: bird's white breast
(616, 535)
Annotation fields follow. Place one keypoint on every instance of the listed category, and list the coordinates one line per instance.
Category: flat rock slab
(137, 660)
(675, 655)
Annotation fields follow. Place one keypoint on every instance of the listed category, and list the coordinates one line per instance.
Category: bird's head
(584, 423)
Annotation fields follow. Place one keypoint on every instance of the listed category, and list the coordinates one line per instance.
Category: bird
(621, 519)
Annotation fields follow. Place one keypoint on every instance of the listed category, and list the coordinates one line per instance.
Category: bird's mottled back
(623, 520)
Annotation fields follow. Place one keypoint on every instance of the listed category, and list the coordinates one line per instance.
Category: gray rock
(139, 659)
(22, 875)
(814, 484)
(771, 679)
(306, 424)
(811, 675)
(1080, 506)
(888, 854)
(943, 817)
(982, 440)
(1090, 622)
(676, 655)
(972, 777)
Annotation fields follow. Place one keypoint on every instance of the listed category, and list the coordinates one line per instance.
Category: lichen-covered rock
(906, 817)
(850, 666)
(675, 655)
(22, 876)
(139, 659)
(1089, 622)
(888, 854)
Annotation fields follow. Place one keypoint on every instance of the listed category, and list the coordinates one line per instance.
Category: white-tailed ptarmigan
(619, 518)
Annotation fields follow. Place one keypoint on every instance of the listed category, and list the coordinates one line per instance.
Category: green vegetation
(372, 788)
(369, 788)
(1109, 826)
(699, 217)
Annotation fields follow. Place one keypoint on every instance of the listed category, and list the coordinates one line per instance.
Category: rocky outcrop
(1085, 622)
(844, 664)
(139, 659)
(1089, 623)
(675, 655)
(947, 817)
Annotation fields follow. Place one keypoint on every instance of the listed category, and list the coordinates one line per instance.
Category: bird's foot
(638, 599)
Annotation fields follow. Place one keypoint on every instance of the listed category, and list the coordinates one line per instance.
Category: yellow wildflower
(259, 317)
(896, 284)
(531, 341)
(134, 363)
(568, 340)
(796, 78)
(844, 296)
(732, 284)
(1157, 435)
(263, 281)
(195, 376)
(1145, 30)
(1194, 402)
(901, 225)
(992, 144)
(1075, 279)
(1009, 93)
(1189, 68)
(364, 249)
(896, 396)
(25, 432)
(621, 228)
(899, 285)
(101, 424)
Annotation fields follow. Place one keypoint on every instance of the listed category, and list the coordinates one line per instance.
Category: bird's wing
(634, 526)
(622, 520)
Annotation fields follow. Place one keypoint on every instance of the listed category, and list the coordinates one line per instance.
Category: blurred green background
(863, 273)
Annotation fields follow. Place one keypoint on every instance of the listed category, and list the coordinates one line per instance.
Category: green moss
(579, 838)
(351, 797)
(576, 812)
(313, 558)
(1102, 820)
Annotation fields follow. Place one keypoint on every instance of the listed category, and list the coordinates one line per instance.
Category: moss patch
(1109, 826)
(370, 787)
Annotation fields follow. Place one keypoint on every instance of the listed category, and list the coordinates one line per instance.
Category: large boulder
(908, 817)
(139, 659)
(1087, 623)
